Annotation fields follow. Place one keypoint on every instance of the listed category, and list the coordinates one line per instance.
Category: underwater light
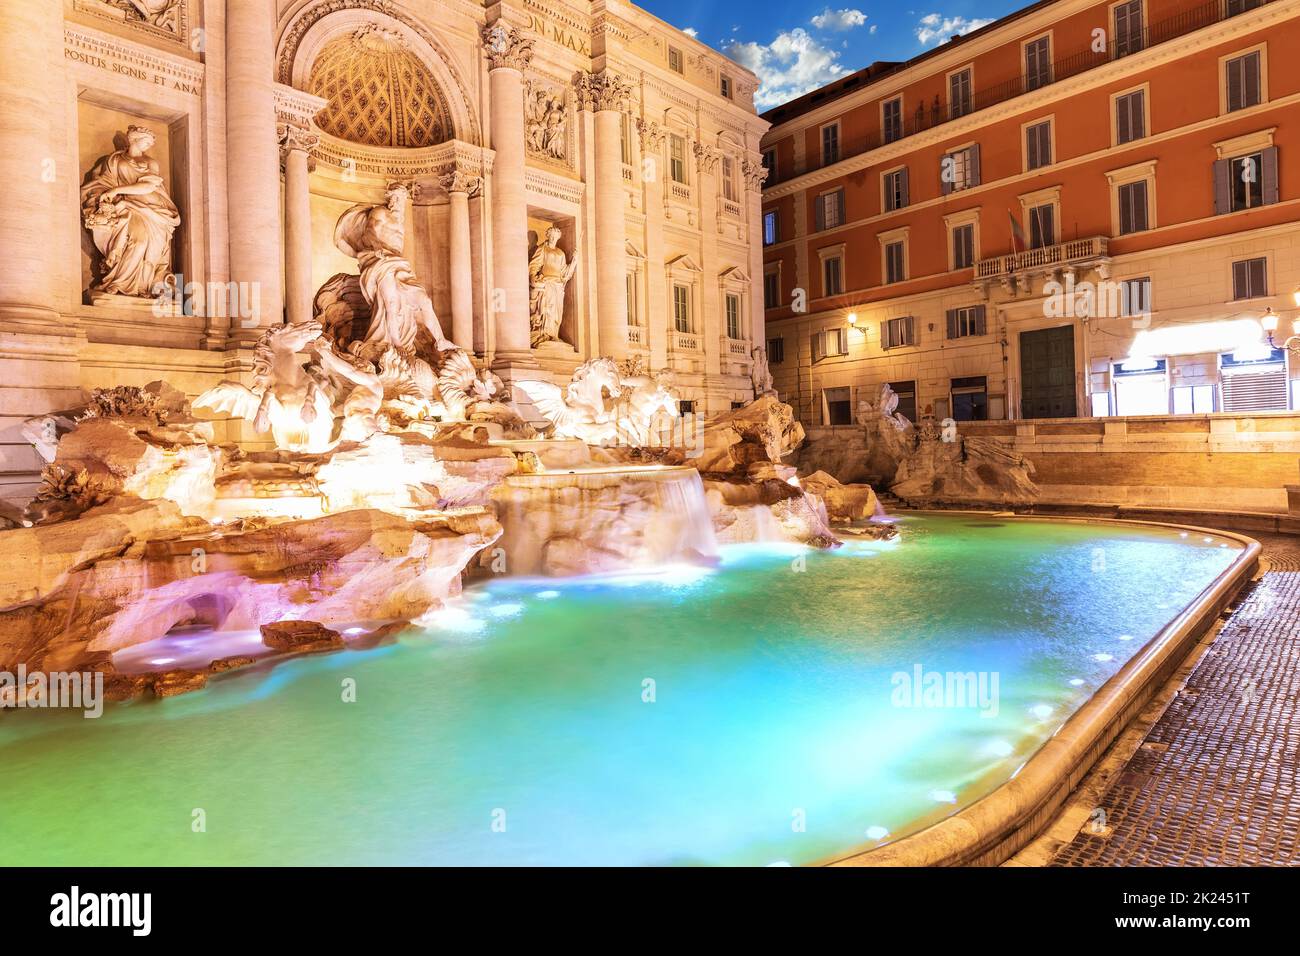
(999, 748)
(353, 631)
(1103, 657)
(1076, 681)
(877, 833)
(547, 595)
(505, 610)
(1041, 711)
(160, 661)
(943, 796)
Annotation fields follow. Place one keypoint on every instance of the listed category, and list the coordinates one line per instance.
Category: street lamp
(1270, 322)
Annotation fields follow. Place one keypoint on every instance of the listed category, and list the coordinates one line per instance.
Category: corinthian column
(755, 175)
(30, 166)
(297, 144)
(252, 166)
(509, 53)
(607, 95)
(460, 185)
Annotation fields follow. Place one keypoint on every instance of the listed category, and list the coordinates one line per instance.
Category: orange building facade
(1081, 209)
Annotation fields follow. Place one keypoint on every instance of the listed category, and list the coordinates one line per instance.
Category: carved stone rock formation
(765, 430)
(843, 502)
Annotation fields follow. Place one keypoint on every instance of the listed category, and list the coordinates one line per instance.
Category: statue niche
(131, 219)
(549, 272)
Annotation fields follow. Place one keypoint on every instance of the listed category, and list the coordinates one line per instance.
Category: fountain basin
(743, 714)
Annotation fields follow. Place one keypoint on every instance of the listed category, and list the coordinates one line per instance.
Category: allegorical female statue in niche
(549, 272)
(131, 218)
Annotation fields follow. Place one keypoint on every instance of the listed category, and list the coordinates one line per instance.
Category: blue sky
(796, 45)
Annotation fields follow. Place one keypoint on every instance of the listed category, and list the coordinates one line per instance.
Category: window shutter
(903, 189)
(1049, 225)
(1240, 280)
(1258, 278)
(1235, 69)
(819, 209)
(816, 342)
(1123, 124)
(909, 326)
(952, 323)
(1268, 175)
(1250, 86)
(1222, 187)
(975, 165)
(884, 334)
(980, 328)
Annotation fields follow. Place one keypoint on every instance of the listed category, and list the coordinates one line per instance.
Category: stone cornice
(1030, 102)
(295, 107)
(427, 162)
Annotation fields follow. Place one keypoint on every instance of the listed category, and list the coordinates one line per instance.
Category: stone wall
(1200, 462)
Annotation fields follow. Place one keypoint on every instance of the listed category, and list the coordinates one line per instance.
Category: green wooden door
(1047, 373)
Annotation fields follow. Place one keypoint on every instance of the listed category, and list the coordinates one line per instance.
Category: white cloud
(830, 19)
(789, 66)
(872, 29)
(691, 32)
(936, 28)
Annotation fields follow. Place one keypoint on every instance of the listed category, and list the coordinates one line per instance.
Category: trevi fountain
(418, 576)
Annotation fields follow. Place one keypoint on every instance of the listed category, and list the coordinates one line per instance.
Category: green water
(520, 727)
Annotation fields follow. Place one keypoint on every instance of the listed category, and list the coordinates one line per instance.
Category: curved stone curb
(991, 829)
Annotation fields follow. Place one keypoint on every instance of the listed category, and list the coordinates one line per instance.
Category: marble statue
(549, 271)
(286, 399)
(131, 219)
(584, 408)
(400, 309)
(885, 408)
(645, 398)
(760, 374)
(353, 381)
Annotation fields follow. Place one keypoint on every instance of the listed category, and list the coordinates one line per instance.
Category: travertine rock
(767, 509)
(763, 430)
(966, 470)
(843, 502)
(358, 565)
(300, 636)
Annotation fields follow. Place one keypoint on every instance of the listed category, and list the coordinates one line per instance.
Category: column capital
(603, 90)
(706, 157)
(292, 136)
(456, 179)
(506, 47)
(652, 134)
(755, 173)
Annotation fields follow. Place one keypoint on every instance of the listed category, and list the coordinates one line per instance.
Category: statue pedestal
(131, 303)
(555, 349)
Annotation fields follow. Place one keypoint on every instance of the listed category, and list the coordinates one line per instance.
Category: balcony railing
(939, 113)
(635, 335)
(686, 341)
(737, 348)
(1076, 252)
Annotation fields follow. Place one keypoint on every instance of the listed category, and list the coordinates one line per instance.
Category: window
(970, 399)
(839, 409)
(1133, 207)
(1141, 388)
(1038, 145)
(1242, 81)
(1244, 182)
(895, 184)
(725, 88)
(963, 246)
(891, 119)
(960, 169)
(1038, 63)
(677, 158)
(1135, 297)
(631, 300)
(959, 93)
(729, 192)
(1128, 28)
(686, 406)
(832, 275)
(771, 289)
(1100, 404)
(830, 209)
(770, 221)
(829, 342)
(1250, 278)
(1255, 382)
(732, 303)
(682, 308)
(830, 143)
(624, 139)
(895, 262)
(675, 60)
(769, 162)
(775, 351)
(1130, 117)
(966, 322)
(1042, 226)
(906, 392)
(1193, 399)
(898, 332)
(1241, 6)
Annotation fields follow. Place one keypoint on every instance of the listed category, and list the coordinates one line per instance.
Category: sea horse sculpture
(584, 409)
(285, 399)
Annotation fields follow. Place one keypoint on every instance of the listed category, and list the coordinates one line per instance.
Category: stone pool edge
(995, 827)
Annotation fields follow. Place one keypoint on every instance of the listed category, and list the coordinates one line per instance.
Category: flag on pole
(1017, 233)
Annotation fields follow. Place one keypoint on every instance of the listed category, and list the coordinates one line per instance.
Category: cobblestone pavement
(1214, 783)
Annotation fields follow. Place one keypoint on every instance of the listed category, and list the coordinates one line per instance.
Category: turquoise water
(520, 728)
